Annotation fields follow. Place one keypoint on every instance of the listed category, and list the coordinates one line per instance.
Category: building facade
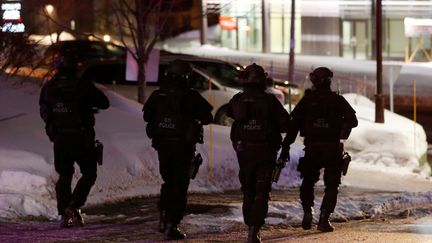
(342, 28)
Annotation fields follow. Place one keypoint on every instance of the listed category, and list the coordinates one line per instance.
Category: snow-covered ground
(385, 157)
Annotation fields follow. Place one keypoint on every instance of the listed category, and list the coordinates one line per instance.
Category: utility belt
(162, 142)
(241, 145)
(70, 130)
(169, 139)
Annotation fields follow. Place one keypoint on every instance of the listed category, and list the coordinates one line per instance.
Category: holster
(98, 152)
(195, 164)
(346, 159)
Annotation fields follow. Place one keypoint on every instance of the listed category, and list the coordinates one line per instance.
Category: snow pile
(291, 213)
(397, 144)
(130, 168)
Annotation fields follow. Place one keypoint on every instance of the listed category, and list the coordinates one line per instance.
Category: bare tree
(16, 51)
(20, 55)
(62, 15)
(142, 23)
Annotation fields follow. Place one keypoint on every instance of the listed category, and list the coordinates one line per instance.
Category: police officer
(67, 106)
(259, 120)
(323, 118)
(175, 115)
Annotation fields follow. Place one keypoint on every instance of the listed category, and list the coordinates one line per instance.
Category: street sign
(390, 74)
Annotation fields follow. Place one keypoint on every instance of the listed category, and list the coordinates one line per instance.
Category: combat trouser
(174, 163)
(316, 157)
(256, 166)
(68, 149)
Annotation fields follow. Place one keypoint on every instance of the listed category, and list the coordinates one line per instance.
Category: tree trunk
(141, 81)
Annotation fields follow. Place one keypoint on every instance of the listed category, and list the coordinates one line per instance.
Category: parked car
(99, 61)
(85, 50)
(227, 73)
(291, 92)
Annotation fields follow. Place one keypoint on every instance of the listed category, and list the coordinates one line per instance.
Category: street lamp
(49, 9)
(106, 38)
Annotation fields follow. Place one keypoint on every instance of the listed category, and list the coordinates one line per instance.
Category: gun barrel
(98, 150)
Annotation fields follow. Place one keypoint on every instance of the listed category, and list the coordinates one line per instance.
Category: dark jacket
(192, 105)
(344, 117)
(89, 100)
(278, 117)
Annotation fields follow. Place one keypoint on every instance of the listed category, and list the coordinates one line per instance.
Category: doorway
(355, 39)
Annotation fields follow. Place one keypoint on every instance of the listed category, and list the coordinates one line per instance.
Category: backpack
(62, 97)
(252, 115)
(322, 116)
(170, 120)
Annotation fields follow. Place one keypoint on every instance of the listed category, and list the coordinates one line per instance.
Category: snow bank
(291, 213)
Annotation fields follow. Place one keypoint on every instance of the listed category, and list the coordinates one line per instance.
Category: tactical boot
(75, 214)
(307, 218)
(172, 232)
(254, 234)
(324, 223)
(66, 221)
(78, 219)
(162, 220)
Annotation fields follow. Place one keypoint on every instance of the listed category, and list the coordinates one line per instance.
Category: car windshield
(225, 73)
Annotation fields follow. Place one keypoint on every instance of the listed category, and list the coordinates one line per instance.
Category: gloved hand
(284, 155)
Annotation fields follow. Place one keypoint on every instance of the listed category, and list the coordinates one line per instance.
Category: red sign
(227, 23)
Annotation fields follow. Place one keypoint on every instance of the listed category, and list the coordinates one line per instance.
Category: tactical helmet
(178, 69)
(321, 77)
(253, 74)
(64, 66)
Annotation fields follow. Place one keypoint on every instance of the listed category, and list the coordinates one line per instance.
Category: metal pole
(415, 111)
(203, 22)
(391, 89)
(373, 22)
(379, 99)
(292, 44)
(265, 26)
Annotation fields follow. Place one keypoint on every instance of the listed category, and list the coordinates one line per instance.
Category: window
(224, 73)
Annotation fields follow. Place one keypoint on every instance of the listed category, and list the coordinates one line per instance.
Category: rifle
(195, 164)
(346, 159)
(280, 164)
